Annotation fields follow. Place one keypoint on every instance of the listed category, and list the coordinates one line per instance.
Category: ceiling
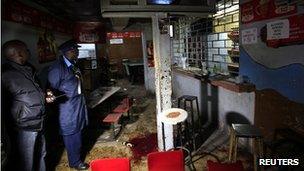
(85, 10)
(90, 10)
(75, 10)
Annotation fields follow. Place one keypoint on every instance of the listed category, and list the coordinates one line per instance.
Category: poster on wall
(46, 47)
(249, 36)
(278, 29)
(285, 32)
(257, 10)
(150, 54)
(131, 34)
(116, 41)
(89, 32)
(18, 12)
(279, 39)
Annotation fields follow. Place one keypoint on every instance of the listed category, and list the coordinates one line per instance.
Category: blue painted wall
(287, 80)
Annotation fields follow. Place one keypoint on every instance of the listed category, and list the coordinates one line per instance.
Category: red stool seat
(166, 161)
(121, 109)
(112, 117)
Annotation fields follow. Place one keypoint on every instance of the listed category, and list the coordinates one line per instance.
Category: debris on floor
(141, 134)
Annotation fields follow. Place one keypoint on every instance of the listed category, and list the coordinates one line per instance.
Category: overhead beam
(130, 14)
(143, 7)
(150, 14)
(157, 8)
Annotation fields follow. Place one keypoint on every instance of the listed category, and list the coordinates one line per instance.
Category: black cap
(68, 45)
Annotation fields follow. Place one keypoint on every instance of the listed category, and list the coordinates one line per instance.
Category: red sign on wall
(18, 12)
(119, 35)
(256, 10)
(89, 32)
(296, 33)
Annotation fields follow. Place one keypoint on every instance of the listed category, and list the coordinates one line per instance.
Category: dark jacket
(72, 110)
(22, 99)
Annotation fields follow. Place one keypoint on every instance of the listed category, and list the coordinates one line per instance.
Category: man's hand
(50, 98)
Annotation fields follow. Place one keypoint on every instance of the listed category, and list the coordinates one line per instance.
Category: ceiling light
(160, 2)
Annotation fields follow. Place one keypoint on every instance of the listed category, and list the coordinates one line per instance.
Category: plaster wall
(217, 105)
(235, 107)
(186, 85)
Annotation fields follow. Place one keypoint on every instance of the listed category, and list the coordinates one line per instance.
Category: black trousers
(29, 151)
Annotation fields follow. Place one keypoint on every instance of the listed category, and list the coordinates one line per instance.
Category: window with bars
(209, 43)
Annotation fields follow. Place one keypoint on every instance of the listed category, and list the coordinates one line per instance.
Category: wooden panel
(130, 49)
(276, 111)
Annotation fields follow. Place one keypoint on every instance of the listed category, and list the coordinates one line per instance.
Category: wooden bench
(124, 107)
(113, 118)
(116, 114)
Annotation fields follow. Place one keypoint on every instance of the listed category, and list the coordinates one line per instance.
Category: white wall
(237, 104)
(186, 85)
(216, 104)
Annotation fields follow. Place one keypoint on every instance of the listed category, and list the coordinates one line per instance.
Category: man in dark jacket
(23, 108)
(65, 77)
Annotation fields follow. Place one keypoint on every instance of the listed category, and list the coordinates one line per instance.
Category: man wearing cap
(65, 78)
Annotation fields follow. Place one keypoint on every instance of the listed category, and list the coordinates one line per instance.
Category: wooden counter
(229, 85)
(188, 73)
(239, 88)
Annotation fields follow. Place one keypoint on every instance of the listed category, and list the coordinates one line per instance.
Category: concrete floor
(145, 123)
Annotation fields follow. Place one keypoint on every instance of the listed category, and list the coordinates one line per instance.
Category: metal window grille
(205, 42)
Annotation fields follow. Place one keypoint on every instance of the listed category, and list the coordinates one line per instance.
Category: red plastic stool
(110, 164)
(166, 161)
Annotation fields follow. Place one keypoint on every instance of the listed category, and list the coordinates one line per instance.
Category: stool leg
(178, 102)
(261, 151)
(192, 118)
(254, 154)
(192, 125)
(236, 139)
(179, 133)
(198, 112)
(261, 148)
(113, 131)
(230, 144)
(187, 135)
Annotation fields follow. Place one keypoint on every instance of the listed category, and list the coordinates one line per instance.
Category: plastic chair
(166, 161)
(110, 164)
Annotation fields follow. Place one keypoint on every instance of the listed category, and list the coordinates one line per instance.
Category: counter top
(191, 73)
(243, 87)
(218, 80)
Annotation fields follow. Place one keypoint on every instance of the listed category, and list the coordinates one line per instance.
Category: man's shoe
(81, 166)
